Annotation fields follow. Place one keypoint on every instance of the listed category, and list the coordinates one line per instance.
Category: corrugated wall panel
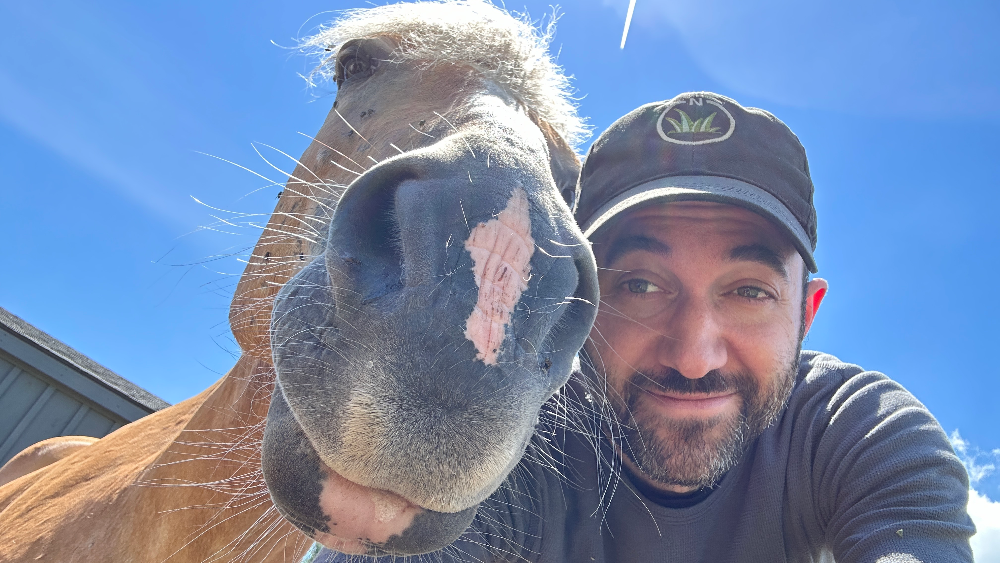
(17, 400)
(33, 408)
(49, 421)
(94, 425)
(7, 372)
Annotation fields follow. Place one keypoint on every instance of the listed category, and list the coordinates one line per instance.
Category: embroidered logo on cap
(695, 121)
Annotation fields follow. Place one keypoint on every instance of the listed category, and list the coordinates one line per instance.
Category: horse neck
(226, 428)
(193, 468)
(239, 399)
(211, 474)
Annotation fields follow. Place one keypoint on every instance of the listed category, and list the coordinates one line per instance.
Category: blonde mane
(512, 53)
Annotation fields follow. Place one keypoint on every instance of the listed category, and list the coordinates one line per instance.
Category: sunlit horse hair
(511, 53)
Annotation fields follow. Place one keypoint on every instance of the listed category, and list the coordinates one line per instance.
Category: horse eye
(353, 66)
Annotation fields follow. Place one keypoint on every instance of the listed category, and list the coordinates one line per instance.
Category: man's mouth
(695, 405)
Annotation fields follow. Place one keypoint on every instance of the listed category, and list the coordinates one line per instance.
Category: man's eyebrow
(761, 254)
(624, 245)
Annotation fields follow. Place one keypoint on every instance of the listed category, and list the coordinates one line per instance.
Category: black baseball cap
(705, 147)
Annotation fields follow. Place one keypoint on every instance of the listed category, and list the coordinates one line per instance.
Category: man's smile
(693, 405)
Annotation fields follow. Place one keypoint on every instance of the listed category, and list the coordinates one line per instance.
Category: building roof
(13, 327)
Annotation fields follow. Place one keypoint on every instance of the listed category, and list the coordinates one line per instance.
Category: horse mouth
(361, 518)
(338, 512)
(368, 521)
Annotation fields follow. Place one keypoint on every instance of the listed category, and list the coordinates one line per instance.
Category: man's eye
(754, 293)
(641, 286)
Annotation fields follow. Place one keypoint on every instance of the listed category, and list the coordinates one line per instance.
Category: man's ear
(815, 292)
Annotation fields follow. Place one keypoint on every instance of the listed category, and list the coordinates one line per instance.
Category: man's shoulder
(865, 458)
(825, 369)
(831, 395)
(828, 376)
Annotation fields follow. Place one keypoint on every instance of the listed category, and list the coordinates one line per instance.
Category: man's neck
(669, 496)
(645, 483)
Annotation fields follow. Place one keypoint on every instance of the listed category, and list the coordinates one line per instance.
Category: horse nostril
(365, 234)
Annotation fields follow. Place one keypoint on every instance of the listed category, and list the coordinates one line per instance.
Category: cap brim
(707, 188)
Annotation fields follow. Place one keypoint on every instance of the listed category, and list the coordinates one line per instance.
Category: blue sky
(107, 108)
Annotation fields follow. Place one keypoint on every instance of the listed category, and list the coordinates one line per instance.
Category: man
(699, 430)
(739, 447)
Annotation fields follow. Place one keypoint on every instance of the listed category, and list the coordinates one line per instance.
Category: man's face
(698, 334)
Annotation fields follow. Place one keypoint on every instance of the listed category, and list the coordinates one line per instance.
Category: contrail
(628, 21)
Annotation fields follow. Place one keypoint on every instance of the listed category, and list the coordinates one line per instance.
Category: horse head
(422, 287)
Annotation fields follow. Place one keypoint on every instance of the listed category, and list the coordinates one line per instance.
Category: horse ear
(570, 195)
(564, 162)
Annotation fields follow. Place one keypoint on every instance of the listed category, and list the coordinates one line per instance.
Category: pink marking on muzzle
(361, 515)
(501, 250)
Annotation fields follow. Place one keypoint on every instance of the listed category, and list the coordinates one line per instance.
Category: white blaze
(501, 250)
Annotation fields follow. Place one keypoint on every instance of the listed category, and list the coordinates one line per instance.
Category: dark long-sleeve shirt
(855, 470)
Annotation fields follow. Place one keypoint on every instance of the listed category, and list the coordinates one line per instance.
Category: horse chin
(361, 517)
(339, 513)
(367, 521)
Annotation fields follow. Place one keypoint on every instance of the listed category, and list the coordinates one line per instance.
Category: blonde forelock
(505, 48)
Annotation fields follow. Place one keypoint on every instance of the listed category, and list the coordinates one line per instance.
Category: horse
(40, 454)
(419, 292)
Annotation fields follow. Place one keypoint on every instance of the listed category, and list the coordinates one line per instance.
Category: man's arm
(886, 483)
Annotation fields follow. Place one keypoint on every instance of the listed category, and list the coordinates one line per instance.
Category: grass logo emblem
(695, 121)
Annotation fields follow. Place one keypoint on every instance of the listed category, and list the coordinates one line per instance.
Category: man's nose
(693, 341)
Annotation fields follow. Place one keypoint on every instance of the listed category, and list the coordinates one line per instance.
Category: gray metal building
(48, 389)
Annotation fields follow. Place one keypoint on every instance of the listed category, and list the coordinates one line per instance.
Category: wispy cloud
(978, 463)
(984, 511)
(57, 131)
(87, 85)
(858, 56)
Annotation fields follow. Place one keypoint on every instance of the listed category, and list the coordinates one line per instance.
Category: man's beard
(697, 453)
